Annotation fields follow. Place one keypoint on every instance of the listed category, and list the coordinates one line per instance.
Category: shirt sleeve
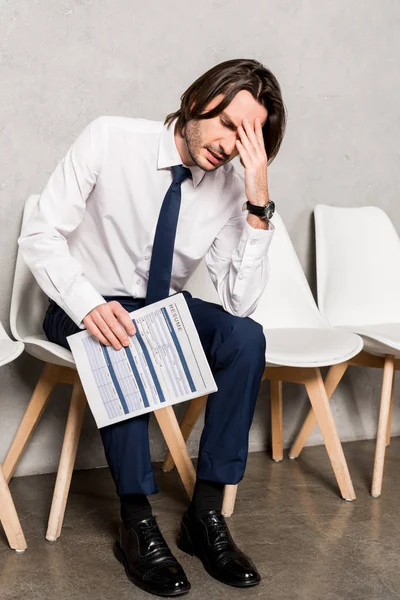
(61, 208)
(238, 263)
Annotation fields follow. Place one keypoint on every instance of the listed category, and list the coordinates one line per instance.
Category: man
(106, 239)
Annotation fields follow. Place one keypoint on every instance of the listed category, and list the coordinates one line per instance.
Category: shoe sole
(121, 557)
(184, 543)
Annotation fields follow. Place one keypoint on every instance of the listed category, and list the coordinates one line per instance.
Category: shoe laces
(219, 528)
(152, 535)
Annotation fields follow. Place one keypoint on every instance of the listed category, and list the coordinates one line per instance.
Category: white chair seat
(40, 347)
(306, 347)
(380, 338)
(9, 350)
(297, 335)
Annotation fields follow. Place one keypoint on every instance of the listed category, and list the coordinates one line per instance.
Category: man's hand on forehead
(253, 157)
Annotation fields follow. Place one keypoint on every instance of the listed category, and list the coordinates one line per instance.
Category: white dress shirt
(92, 231)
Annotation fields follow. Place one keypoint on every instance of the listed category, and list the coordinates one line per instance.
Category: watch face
(269, 210)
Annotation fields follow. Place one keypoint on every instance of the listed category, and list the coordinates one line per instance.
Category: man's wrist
(262, 212)
(257, 222)
(260, 202)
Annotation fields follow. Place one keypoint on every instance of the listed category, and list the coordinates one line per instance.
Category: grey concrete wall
(64, 63)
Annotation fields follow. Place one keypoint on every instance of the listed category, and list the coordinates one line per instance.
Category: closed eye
(230, 126)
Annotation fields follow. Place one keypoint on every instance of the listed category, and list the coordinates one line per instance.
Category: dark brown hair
(229, 78)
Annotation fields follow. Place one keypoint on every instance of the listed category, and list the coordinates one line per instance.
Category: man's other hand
(111, 324)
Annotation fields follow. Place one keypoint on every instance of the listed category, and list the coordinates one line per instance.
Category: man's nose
(228, 144)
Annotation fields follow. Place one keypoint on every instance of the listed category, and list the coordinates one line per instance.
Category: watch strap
(264, 212)
(255, 210)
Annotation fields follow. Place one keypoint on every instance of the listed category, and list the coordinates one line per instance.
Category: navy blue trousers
(235, 350)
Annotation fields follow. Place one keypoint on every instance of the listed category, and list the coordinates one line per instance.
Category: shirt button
(252, 242)
(138, 281)
(147, 257)
(240, 276)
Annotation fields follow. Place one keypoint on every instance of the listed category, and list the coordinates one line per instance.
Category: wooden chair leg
(9, 517)
(187, 423)
(67, 461)
(332, 380)
(186, 426)
(319, 400)
(389, 427)
(34, 411)
(276, 420)
(228, 504)
(387, 385)
(177, 446)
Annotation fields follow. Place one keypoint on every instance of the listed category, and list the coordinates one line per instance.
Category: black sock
(134, 507)
(207, 495)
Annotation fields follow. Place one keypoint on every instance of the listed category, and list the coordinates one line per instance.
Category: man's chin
(210, 167)
(207, 165)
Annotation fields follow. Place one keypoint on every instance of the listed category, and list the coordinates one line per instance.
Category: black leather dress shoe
(207, 536)
(148, 561)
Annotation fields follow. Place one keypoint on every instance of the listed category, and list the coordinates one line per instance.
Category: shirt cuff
(254, 242)
(80, 300)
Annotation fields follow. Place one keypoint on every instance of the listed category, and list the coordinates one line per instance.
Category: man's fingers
(118, 330)
(245, 158)
(246, 143)
(110, 324)
(111, 313)
(254, 140)
(259, 134)
(251, 135)
(123, 317)
(94, 330)
(105, 329)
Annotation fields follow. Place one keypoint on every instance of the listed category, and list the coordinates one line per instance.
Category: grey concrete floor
(307, 542)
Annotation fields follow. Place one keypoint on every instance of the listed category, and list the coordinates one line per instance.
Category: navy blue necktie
(164, 239)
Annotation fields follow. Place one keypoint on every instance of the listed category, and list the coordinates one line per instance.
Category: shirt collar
(168, 155)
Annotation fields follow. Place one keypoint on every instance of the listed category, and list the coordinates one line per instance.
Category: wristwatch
(265, 212)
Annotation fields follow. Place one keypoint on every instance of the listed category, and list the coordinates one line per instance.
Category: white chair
(9, 351)
(299, 342)
(358, 251)
(28, 306)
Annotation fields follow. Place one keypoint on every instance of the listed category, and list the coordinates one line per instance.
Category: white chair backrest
(3, 333)
(358, 258)
(28, 302)
(287, 300)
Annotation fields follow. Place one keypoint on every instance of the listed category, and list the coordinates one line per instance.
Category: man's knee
(247, 335)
